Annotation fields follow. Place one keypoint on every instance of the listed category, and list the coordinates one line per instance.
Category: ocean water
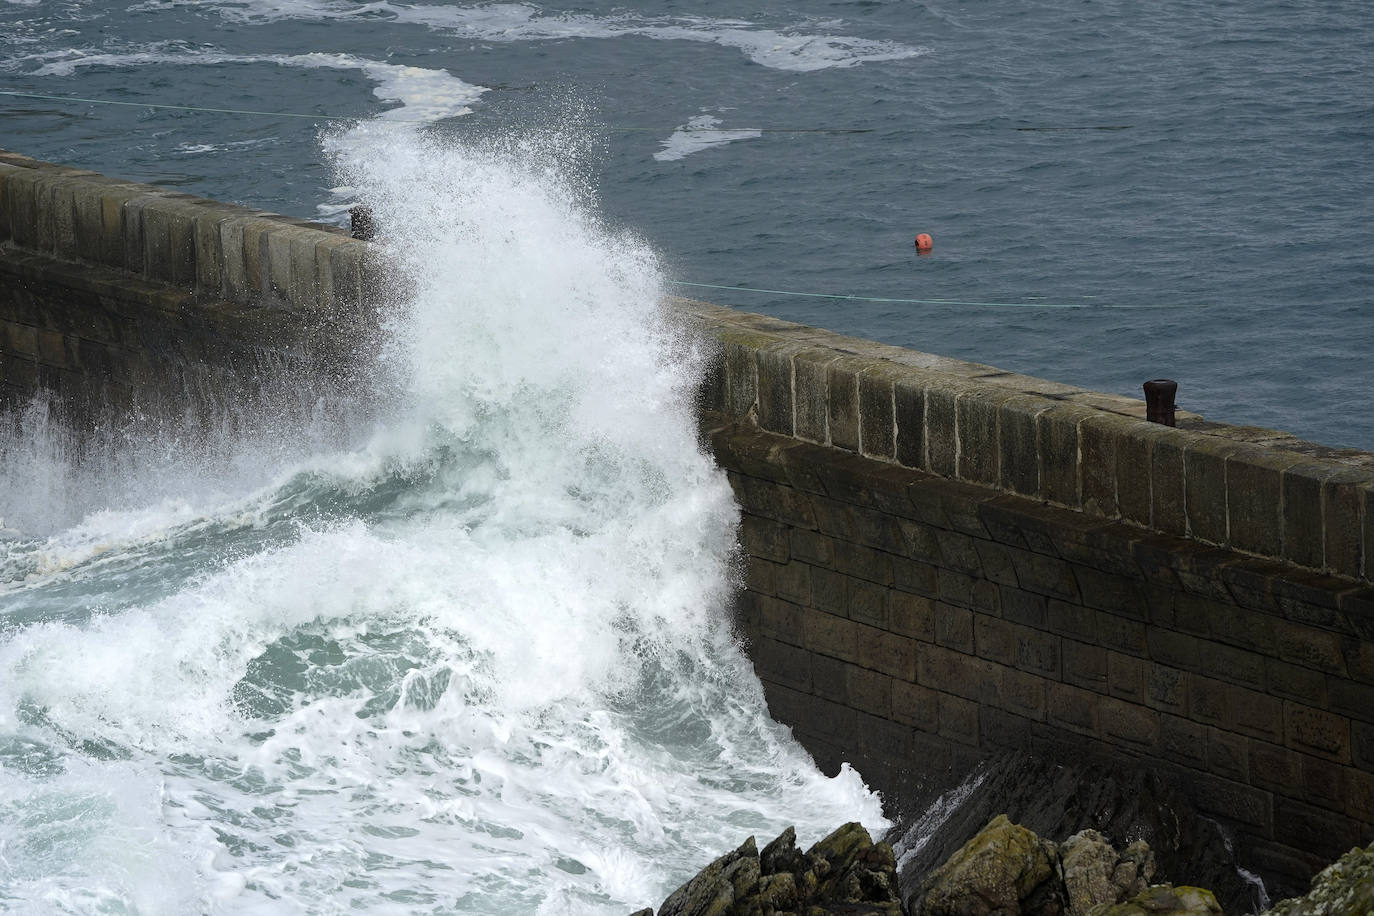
(464, 646)
(1117, 191)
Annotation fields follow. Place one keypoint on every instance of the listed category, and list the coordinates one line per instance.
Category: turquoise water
(1226, 203)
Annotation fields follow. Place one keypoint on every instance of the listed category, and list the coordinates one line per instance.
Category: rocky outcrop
(1344, 888)
(845, 873)
(1006, 870)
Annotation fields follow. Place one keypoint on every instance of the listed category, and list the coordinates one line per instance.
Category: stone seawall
(117, 297)
(943, 559)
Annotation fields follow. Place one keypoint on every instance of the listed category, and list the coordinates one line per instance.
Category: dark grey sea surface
(1117, 191)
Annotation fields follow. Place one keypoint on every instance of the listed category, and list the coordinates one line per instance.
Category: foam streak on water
(479, 664)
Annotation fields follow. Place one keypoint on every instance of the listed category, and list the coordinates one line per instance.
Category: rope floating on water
(959, 302)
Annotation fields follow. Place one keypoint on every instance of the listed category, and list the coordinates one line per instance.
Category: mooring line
(962, 302)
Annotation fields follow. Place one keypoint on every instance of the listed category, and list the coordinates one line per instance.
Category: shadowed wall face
(945, 560)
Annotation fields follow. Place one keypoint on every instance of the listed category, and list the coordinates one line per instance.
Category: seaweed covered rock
(845, 873)
(1164, 900)
(1005, 870)
(1095, 873)
(1343, 888)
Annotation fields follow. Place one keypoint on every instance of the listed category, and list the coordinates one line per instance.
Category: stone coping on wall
(214, 251)
(1258, 491)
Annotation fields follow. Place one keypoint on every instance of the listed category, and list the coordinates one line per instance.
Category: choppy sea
(465, 648)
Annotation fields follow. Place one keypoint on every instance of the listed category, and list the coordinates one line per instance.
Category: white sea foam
(789, 49)
(479, 664)
(700, 133)
(425, 95)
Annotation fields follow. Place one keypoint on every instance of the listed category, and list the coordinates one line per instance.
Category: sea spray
(479, 662)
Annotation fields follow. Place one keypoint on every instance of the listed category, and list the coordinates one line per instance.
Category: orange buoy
(924, 242)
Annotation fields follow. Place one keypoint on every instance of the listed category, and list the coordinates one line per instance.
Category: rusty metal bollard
(1159, 400)
(360, 219)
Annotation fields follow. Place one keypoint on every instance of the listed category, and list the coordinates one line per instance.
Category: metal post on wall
(1159, 400)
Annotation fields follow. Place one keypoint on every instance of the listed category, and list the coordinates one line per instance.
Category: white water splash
(699, 134)
(480, 664)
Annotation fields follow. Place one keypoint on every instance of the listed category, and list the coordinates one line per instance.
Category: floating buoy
(924, 242)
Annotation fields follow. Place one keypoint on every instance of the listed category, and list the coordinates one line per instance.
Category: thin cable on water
(960, 302)
(324, 117)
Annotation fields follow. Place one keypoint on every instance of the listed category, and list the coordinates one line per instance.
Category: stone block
(1275, 768)
(868, 603)
(1232, 802)
(1204, 468)
(941, 430)
(1228, 754)
(842, 417)
(1358, 793)
(347, 269)
(1317, 732)
(868, 691)
(1038, 652)
(1168, 509)
(889, 653)
(952, 671)
(877, 423)
(1023, 693)
(958, 552)
(1348, 698)
(833, 518)
(1134, 469)
(1310, 828)
(995, 563)
(257, 276)
(954, 588)
(782, 664)
(1098, 440)
(912, 615)
(1178, 650)
(810, 546)
(811, 393)
(1073, 620)
(1308, 646)
(770, 500)
(830, 677)
(958, 719)
(954, 628)
(1057, 445)
(765, 537)
(1126, 677)
(909, 414)
(1026, 608)
(829, 590)
(999, 728)
(878, 529)
(778, 619)
(1302, 511)
(741, 373)
(1342, 498)
(1236, 666)
(1236, 626)
(994, 639)
(1254, 496)
(915, 705)
(976, 414)
(1183, 741)
(830, 635)
(1122, 634)
(1085, 666)
(1044, 575)
(1166, 689)
(792, 582)
(1367, 497)
(1323, 783)
(1072, 708)
(914, 576)
(775, 408)
(1129, 724)
(169, 242)
(304, 290)
(1019, 456)
(863, 562)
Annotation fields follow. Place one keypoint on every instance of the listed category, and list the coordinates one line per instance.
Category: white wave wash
(700, 133)
(791, 49)
(481, 665)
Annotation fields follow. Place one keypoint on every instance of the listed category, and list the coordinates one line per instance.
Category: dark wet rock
(1344, 888)
(1057, 799)
(845, 874)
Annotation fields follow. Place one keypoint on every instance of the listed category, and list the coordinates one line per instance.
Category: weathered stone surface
(1163, 900)
(1005, 870)
(1096, 874)
(1344, 888)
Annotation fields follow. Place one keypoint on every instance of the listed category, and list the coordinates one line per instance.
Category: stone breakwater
(1004, 870)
